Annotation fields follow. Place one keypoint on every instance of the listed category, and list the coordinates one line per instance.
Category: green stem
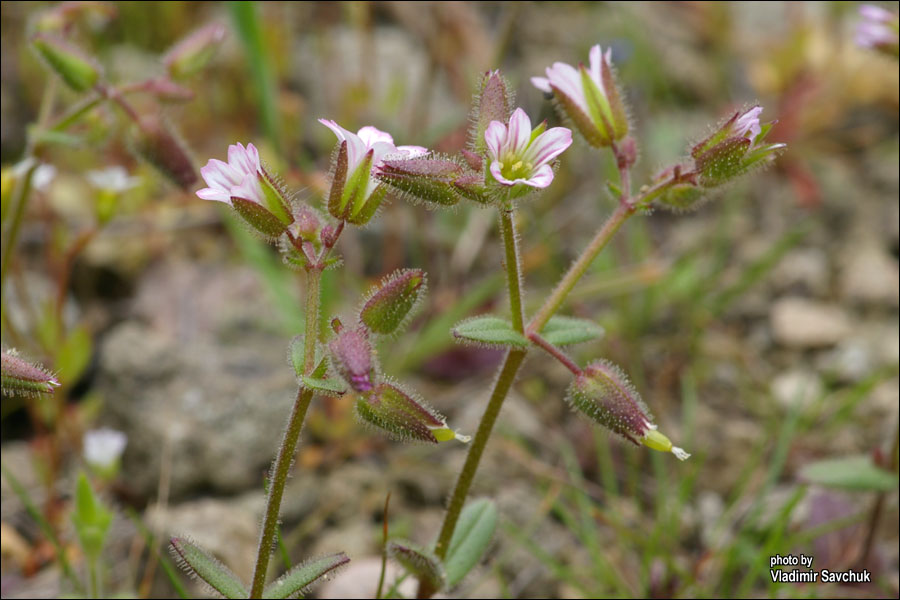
(504, 382)
(285, 457)
(513, 267)
(20, 201)
(514, 359)
(580, 266)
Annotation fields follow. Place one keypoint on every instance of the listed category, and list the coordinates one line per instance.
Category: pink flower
(518, 156)
(748, 123)
(238, 178)
(589, 97)
(369, 138)
(878, 29)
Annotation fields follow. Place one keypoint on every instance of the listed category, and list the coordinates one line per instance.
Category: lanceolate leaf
(489, 330)
(470, 539)
(851, 473)
(198, 562)
(564, 331)
(418, 561)
(297, 581)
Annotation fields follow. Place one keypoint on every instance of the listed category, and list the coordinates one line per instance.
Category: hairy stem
(513, 267)
(555, 352)
(514, 358)
(285, 457)
(580, 266)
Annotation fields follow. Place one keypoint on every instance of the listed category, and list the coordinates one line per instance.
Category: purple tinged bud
(425, 179)
(308, 224)
(76, 69)
(353, 358)
(193, 52)
(397, 411)
(472, 187)
(604, 394)
(22, 378)
(159, 146)
(391, 304)
(493, 103)
(474, 160)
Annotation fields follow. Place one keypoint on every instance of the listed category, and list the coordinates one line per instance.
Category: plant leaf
(489, 330)
(420, 562)
(200, 563)
(850, 472)
(329, 387)
(470, 539)
(564, 331)
(298, 579)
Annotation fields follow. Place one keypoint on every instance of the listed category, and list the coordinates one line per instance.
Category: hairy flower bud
(589, 97)
(193, 52)
(395, 410)
(391, 304)
(426, 179)
(492, 103)
(76, 69)
(354, 358)
(604, 394)
(735, 148)
(22, 378)
(159, 146)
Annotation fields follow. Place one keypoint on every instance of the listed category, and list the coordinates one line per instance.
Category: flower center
(516, 170)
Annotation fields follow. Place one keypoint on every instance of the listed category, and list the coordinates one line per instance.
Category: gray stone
(870, 275)
(797, 388)
(802, 323)
(806, 269)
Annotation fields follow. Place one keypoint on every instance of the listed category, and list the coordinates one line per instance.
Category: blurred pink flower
(518, 156)
(239, 177)
(878, 29)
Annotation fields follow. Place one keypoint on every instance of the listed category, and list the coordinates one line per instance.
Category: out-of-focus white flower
(104, 447)
(113, 179)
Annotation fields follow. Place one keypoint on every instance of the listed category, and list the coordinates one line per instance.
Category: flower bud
(193, 52)
(419, 561)
(351, 198)
(735, 148)
(353, 358)
(159, 146)
(589, 97)
(75, 68)
(426, 179)
(355, 193)
(493, 103)
(395, 410)
(391, 304)
(22, 378)
(604, 394)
